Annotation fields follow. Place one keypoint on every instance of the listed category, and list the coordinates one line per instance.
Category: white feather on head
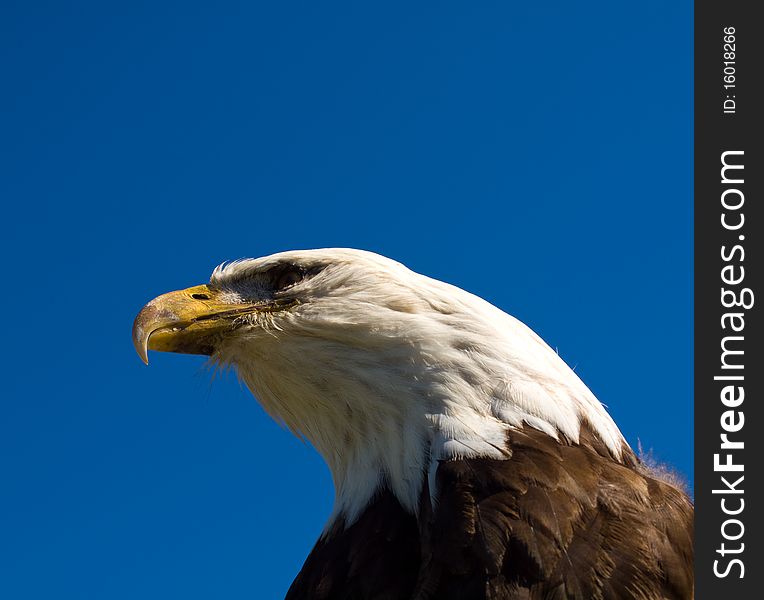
(386, 372)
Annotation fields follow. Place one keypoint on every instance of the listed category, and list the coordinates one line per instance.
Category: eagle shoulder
(555, 520)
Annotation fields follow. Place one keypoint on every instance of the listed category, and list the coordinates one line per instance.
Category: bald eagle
(469, 461)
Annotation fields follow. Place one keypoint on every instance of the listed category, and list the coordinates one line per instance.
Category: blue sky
(539, 156)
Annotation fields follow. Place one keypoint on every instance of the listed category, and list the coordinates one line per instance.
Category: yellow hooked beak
(187, 321)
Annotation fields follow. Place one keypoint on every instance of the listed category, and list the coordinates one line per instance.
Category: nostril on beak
(200, 296)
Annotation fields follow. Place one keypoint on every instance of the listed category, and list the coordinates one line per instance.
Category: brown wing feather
(564, 521)
(376, 558)
(554, 521)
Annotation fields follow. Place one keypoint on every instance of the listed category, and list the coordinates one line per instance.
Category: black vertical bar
(728, 223)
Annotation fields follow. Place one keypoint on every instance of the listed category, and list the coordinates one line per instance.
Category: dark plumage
(556, 521)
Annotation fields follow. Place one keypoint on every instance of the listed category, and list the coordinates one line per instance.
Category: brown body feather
(554, 521)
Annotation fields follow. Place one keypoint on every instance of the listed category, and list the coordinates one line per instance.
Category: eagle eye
(288, 278)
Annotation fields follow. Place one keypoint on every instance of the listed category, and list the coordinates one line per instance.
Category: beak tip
(140, 342)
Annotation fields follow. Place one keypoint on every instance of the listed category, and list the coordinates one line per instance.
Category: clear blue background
(538, 156)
